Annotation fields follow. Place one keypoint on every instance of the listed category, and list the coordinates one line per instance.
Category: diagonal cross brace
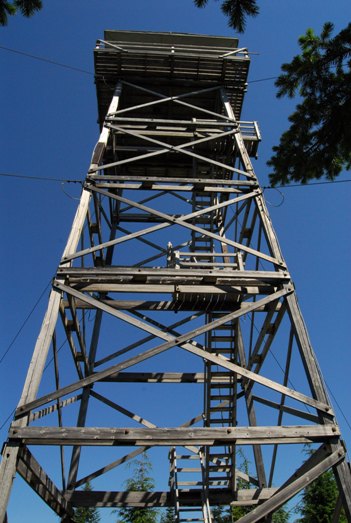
(184, 342)
(171, 220)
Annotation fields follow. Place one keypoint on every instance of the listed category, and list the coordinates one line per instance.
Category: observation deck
(171, 65)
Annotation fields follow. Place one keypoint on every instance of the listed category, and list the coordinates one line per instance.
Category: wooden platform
(170, 63)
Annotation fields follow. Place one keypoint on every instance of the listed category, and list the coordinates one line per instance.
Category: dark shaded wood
(164, 499)
(30, 470)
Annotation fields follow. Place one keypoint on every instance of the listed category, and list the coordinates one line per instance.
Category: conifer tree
(25, 7)
(86, 514)
(318, 142)
(140, 481)
(168, 516)
(236, 11)
(319, 500)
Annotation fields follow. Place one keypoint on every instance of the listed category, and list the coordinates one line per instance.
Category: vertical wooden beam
(37, 364)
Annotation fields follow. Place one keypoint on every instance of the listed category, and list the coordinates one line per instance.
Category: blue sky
(48, 129)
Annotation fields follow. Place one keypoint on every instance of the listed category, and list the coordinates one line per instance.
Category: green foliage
(140, 481)
(319, 500)
(234, 513)
(280, 516)
(25, 7)
(221, 515)
(85, 514)
(168, 516)
(236, 11)
(318, 142)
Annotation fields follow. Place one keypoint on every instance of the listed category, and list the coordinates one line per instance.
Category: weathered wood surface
(36, 477)
(288, 491)
(177, 436)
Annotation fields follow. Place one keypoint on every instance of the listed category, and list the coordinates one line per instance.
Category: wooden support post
(181, 260)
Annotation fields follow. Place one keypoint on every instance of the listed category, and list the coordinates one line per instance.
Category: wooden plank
(53, 408)
(164, 499)
(307, 354)
(159, 377)
(164, 187)
(150, 305)
(36, 477)
(342, 473)
(207, 436)
(291, 489)
(233, 294)
(200, 182)
(237, 277)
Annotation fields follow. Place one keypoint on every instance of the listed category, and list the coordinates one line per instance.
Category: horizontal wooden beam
(172, 179)
(164, 187)
(159, 305)
(165, 499)
(171, 275)
(105, 436)
(162, 377)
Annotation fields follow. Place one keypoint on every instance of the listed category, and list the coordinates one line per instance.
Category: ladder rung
(220, 350)
(218, 468)
(225, 408)
(184, 456)
(224, 420)
(220, 385)
(191, 519)
(222, 479)
(189, 483)
(222, 338)
(184, 469)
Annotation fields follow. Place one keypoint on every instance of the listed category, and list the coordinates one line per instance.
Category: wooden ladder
(220, 401)
(201, 243)
(188, 476)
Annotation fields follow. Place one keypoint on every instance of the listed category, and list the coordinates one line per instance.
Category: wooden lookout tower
(172, 325)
